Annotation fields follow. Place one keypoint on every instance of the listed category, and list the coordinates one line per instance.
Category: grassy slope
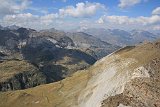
(10, 68)
(19, 74)
(66, 92)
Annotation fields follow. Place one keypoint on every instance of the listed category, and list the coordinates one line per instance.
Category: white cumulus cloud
(128, 3)
(81, 10)
(13, 6)
(47, 20)
(29, 20)
(156, 11)
(157, 27)
(126, 22)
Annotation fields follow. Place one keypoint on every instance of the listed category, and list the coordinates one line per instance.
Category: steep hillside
(15, 74)
(59, 38)
(47, 51)
(77, 40)
(128, 77)
(13, 38)
(92, 45)
(11, 41)
(40, 56)
(57, 63)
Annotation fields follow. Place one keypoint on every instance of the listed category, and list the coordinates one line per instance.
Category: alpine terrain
(29, 58)
(79, 53)
(126, 78)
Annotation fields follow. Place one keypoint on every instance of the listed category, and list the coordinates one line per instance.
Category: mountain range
(54, 68)
(122, 37)
(45, 56)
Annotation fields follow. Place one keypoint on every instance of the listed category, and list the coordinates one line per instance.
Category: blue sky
(81, 14)
(140, 9)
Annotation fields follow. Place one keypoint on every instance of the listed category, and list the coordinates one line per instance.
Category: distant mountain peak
(121, 37)
(13, 27)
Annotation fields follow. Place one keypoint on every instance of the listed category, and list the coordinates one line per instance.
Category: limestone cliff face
(128, 77)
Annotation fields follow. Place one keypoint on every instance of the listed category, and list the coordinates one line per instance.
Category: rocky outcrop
(140, 92)
(17, 75)
(23, 81)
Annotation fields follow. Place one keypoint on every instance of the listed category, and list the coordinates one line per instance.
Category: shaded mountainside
(53, 53)
(11, 41)
(78, 40)
(113, 81)
(92, 45)
(54, 62)
(57, 63)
